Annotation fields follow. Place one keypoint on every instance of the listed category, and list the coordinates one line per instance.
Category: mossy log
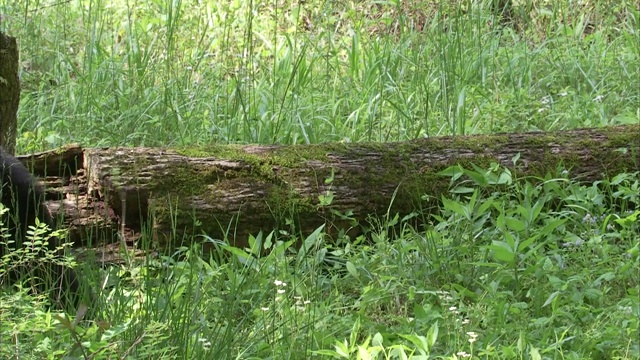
(230, 192)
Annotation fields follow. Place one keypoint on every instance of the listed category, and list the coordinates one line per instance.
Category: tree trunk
(9, 92)
(237, 191)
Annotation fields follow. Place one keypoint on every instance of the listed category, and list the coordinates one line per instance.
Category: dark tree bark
(9, 92)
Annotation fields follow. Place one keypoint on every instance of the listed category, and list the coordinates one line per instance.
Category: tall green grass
(177, 73)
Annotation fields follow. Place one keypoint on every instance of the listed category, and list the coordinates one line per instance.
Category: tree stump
(9, 92)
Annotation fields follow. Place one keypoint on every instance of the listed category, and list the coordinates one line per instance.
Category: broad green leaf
(502, 251)
(352, 269)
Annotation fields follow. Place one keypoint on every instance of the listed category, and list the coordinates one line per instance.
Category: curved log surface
(234, 191)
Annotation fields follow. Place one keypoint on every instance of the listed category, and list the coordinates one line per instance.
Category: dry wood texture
(89, 220)
(235, 191)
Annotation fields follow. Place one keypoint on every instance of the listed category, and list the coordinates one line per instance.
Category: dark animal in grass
(25, 201)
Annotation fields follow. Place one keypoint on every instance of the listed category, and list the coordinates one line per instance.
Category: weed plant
(503, 268)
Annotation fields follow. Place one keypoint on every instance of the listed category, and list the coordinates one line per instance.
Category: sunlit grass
(174, 73)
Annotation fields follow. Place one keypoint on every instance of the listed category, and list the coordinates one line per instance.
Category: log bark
(231, 192)
(90, 222)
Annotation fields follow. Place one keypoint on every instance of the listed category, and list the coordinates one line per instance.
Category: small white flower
(205, 343)
(598, 98)
(563, 94)
(472, 337)
(626, 309)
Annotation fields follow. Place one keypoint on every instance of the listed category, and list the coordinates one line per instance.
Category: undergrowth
(539, 268)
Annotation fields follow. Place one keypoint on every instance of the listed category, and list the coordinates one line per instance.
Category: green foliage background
(164, 73)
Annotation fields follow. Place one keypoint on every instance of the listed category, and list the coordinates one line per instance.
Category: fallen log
(230, 192)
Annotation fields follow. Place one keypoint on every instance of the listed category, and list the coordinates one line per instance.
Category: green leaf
(432, 335)
(484, 207)
(454, 207)
(462, 190)
(377, 340)
(550, 227)
(454, 172)
(355, 331)
(534, 353)
(550, 298)
(502, 251)
(525, 244)
(342, 349)
(312, 240)
(419, 342)
(514, 224)
(352, 269)
(479, 178)
(628, 221)
(419, 312)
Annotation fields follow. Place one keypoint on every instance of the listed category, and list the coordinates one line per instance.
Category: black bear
(25, 201)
